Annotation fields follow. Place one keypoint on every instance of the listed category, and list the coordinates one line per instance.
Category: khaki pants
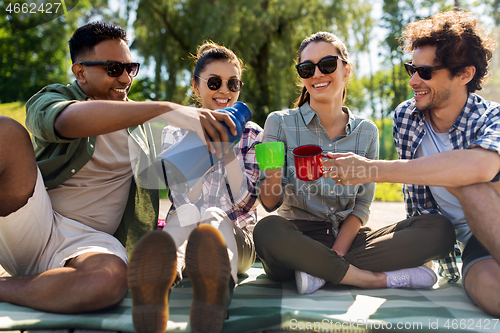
(285, 246)
(240, 246)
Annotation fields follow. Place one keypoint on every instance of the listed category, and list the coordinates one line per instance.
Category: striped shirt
(215, 189)
(478, 125)
(321, 199)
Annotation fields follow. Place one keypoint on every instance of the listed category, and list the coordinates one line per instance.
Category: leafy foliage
(33, 58)
(266, 34)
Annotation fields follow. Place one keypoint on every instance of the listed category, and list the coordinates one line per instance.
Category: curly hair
(460, 42)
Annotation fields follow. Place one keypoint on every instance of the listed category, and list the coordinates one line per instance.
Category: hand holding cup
(270, 155)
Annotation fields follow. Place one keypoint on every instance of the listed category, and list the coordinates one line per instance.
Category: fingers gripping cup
(309, 162)
(183, 164)
(270, 155)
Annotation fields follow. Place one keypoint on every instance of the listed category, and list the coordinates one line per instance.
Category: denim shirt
(321, 199)
(60, 158)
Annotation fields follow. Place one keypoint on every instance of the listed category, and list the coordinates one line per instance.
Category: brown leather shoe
(207, 265)
(151, 272)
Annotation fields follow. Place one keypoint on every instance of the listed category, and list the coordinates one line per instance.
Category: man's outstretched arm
(91, 118)
(460, 167)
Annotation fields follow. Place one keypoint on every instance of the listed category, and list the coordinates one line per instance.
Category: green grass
(388, 192)
(13, 110)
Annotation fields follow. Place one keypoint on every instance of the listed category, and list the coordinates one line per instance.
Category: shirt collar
(80, 91)
(461, 122)
(308, 115)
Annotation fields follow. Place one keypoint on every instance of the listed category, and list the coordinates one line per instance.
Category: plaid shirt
(478, 125)
(215, 189)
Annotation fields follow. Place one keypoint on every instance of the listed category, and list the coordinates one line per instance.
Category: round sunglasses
(425, 72)
(215, 82)
(327, 65)
(115, 68)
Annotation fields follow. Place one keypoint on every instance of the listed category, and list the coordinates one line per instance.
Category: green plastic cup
(270, 155)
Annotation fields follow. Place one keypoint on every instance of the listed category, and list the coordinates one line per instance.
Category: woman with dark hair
(317, 235)
(212, 224)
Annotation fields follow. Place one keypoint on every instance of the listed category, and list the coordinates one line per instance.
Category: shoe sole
(432, 273)
(207, 266)
(151, 272)
(298, 280)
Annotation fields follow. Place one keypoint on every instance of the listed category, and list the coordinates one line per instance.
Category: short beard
(436, 101)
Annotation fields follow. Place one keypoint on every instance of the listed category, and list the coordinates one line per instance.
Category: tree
(266, 34)
(39, 55)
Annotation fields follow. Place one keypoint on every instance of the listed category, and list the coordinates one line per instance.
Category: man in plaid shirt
(448, 140)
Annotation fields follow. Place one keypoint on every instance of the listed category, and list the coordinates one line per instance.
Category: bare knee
(481, 283)
(18, 171)
(13, 132)
(103, 279)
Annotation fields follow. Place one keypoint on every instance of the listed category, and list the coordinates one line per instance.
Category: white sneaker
(417, 278)
(307, 284)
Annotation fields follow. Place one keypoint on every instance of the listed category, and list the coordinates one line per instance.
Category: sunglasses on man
(215, 82)
(327, 65)
(425, 72)
(115, 68)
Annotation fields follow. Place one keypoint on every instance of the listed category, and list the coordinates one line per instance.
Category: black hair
(86, 37)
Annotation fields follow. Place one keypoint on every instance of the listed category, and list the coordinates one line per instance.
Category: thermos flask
(188, 160)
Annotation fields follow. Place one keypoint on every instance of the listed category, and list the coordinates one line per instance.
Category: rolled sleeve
(43, 108)
(490, 138)
(366, 192)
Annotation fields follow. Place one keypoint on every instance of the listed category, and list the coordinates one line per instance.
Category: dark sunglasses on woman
(327, 65)
(425, 72)
(215, 82)
(115, 68)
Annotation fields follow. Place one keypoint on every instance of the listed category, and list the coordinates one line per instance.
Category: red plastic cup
(309, 162)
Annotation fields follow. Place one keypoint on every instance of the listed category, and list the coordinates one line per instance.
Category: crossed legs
(283, 248)
(88, 282)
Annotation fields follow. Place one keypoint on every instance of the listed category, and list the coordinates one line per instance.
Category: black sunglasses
(215, 82)
(115, 68)
(327, 65)
(425, 72)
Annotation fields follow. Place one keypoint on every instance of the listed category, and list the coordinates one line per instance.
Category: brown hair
(328, 37)
(208, 53)
(459, 39)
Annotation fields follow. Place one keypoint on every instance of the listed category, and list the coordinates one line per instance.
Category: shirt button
(331, 192)
(91, 146)
(331, 208)
(73, 170)
(330, 145)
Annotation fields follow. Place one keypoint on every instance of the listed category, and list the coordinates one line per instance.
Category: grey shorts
(35, 238)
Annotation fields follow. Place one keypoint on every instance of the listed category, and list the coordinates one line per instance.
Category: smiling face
(94, 80)
(222, 97)
(324, 88)
(436, 93)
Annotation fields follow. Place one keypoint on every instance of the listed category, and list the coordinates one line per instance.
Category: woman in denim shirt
(317, 235)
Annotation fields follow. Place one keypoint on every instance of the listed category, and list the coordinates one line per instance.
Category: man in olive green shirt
(62, 204)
